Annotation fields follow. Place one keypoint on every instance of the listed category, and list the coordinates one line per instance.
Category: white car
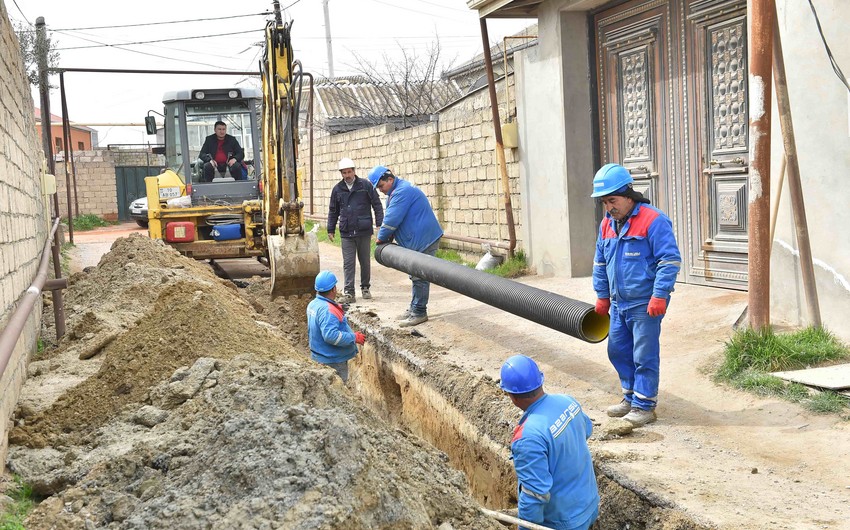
(139, 211)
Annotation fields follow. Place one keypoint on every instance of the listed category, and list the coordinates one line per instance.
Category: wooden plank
(832, 377)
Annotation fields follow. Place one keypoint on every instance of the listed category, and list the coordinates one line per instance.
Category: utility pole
(328, 39)
(42, 49)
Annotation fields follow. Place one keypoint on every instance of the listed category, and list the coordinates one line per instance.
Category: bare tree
(404, 90)
(30, 51)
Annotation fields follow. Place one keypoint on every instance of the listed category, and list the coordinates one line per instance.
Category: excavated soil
(174, 403)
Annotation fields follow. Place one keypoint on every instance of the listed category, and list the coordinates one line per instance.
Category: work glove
(359, 338)
(603, 305)
(656, 307)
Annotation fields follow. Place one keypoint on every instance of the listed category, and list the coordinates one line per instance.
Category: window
(81, 146)
(58, 142)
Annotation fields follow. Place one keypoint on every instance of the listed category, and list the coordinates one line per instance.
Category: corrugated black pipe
(577, 319)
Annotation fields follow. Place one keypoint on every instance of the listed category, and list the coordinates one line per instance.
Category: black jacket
(354, 208)
(231, 145)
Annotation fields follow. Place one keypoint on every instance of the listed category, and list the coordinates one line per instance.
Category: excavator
(259, 213)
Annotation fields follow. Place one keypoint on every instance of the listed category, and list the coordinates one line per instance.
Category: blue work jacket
(639, 263)
(557, 485)
(409, 218)
(331, 338)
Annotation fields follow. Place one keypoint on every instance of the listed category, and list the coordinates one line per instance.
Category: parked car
(139, 211)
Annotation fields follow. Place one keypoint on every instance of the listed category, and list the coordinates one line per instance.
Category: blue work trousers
(634, 350)
(422, 288)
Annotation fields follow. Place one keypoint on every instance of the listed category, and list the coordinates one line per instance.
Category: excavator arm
(293, 253)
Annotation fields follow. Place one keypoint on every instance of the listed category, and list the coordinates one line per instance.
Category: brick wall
(23, 217)
(95, 170)
(452, 159)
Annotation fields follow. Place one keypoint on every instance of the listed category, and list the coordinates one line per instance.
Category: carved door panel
(719, 166)
(633, 74)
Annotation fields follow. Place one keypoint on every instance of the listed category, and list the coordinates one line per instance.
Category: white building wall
(820, 108)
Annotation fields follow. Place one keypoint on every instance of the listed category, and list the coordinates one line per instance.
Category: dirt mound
(202, 415)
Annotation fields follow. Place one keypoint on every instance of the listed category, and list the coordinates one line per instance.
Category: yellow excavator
(255, 210)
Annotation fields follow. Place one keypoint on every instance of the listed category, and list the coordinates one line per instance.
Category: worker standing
(332, 341)
(634, 270)
(554, 469)
(410, 221)
(352, 202)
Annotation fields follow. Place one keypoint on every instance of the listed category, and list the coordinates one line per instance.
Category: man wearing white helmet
(352, 202)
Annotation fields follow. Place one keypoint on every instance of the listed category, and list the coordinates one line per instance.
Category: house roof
(505, 8)
(58, 119)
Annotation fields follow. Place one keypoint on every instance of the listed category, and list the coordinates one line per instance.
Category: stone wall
(23, 215)
(452, 159)
(95, 170)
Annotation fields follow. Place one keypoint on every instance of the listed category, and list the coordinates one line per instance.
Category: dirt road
(724, 457)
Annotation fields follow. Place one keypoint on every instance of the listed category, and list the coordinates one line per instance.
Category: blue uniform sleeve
(535, 480)
(377, 207)
(600, 270)
(331, 332)
(588, 425)
(397, 209)
(665, 250)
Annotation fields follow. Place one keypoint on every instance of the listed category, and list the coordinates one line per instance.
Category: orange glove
(359, 338)
(656, 307)
(603, 305)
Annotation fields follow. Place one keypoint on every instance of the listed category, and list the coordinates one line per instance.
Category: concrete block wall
(97, 193)
(23, 215)
(452, 159)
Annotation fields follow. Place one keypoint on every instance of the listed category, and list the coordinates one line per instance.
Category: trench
(466, 417)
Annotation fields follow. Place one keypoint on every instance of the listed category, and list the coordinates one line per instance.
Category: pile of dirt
(201, 415)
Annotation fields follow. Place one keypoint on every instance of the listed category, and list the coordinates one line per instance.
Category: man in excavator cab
(222, 156)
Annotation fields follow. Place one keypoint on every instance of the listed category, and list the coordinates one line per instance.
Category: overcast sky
(369, 28)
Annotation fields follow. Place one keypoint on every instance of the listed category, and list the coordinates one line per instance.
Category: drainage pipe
(12, 331)
(499, 516)
(575, 318)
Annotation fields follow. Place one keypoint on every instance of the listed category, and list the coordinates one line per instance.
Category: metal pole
(760, 19)
(66, 131)
(328, 39)
(795, 187)
(47, 145)
(310, 135)
(497, 130)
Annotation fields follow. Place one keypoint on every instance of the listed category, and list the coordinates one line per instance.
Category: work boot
(413, 320)
(347, 298)
(619, 410)
(404, 316)
(365, 294)
(639, 417)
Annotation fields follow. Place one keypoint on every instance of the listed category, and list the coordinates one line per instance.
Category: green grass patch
(512, 268)
(448, 254)
(89, 221)
(750, 355)
(13, 516)
(65, 258)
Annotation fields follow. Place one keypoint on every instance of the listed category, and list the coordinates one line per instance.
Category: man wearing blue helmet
(332, 341)
(410, 221)
(634, 270)
(554, 469)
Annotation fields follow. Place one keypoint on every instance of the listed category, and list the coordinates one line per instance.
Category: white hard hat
(346, 163)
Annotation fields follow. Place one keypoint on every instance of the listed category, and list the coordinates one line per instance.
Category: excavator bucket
(294, 263)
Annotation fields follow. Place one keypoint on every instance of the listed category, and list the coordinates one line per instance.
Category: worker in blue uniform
(556, 482)
(410, 222)
(332, 341)
(634, 270)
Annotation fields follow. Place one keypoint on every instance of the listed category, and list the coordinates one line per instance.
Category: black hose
(577, 319)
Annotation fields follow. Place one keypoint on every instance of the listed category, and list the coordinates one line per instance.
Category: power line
(832, 61)
(22, 12)
(444, 7)
(195, 52)
(153, 41)
(411, 10)
(161, 23)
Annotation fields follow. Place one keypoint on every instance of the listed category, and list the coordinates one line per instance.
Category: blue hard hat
(520, 374)
(610, 178)
(377, 172)
(325, 281)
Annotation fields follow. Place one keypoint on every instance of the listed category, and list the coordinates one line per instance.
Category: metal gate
(672, 94)
(130, 185)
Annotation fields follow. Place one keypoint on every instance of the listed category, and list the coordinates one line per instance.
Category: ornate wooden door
(672, 96)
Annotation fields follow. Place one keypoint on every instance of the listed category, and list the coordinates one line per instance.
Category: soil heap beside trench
(172, 404)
